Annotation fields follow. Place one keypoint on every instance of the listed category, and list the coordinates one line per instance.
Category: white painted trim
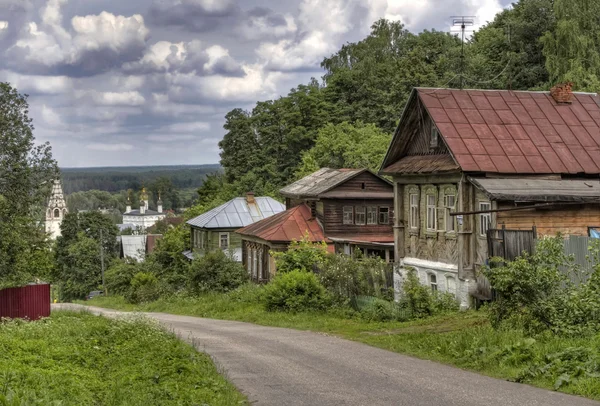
(422, 263)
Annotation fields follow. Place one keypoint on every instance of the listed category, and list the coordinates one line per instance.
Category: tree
(26, 172)
(346, 146)
(77, 252)
(572, 50)
(167, 261)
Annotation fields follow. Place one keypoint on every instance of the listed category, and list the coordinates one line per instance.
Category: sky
(148, 82)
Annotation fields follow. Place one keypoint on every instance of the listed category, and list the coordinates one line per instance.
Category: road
(278, 366)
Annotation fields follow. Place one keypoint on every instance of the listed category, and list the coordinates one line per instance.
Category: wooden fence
(510, 244)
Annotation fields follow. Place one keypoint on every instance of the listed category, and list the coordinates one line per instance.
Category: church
(56, 210)
(144, 217)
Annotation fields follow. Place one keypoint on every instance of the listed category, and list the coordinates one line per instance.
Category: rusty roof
(504, 131)
(423, 164)
(292, 224)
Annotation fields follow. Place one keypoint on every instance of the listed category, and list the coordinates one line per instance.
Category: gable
(362, 186)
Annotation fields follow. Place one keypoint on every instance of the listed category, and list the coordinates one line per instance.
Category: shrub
(444, 302)
(378, 310)
(119, 275)
(144, 288)
(418, 297)
(216, 272)
(302, 255)
(347, 277)
(296, 291)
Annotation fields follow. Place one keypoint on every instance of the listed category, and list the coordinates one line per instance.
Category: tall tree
(572, 50)
(26, 172)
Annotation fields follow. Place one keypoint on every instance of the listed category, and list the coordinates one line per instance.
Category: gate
(510, 244)
(29, 302)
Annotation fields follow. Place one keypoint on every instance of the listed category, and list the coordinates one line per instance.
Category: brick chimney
(250, 197)
(562, 93)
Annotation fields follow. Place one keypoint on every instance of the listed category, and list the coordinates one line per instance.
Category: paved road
(284, 367)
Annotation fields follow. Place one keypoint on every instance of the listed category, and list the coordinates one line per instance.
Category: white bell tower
(56, 210)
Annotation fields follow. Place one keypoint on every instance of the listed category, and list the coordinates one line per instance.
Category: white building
(56, 210)
(144, 217)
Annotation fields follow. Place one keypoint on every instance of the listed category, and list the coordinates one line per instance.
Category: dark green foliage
(119, 275)
(536, 294)
(296, 291)
(301, 255)
(347, 277)
(74, 359)
(216, 272)
(145, 288)
(167, 261)
(418, 297)
(26, 173)
(77, 253)
(378, 310)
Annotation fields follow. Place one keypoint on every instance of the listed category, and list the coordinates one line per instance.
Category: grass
(465, 340)
(81, 359)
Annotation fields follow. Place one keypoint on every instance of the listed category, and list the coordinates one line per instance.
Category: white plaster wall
(53, 227)
(441, 270)
(142, 221)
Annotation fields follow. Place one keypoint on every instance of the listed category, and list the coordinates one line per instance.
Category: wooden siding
(371, 183)
(212, 239)
(333, 223)
(568, 220)
(420, 144)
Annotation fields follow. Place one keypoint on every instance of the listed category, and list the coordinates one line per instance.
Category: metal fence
(28, 302)
(579, 248)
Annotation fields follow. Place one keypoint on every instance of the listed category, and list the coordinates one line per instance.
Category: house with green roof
(215, 229)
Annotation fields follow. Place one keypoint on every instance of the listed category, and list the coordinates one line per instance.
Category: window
(414, 211)
(450, 205)
(435, 135)
(372, 215)
(56, 213)
(485, 219)
(359, 216)
(433, 282)
(384, 215)
(348, 215)
(224, 241)
(431, 213)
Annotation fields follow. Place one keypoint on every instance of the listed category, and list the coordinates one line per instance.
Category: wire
(443, 87)
(494, 78)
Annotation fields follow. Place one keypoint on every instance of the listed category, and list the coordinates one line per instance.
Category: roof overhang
(539, 190)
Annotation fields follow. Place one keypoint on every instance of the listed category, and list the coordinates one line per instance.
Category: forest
(347, 118)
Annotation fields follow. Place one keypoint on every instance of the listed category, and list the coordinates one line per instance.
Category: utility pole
(102, 263)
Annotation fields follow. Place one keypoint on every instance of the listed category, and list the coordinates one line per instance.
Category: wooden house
(467, 161)
(349, 209)
(216, 228)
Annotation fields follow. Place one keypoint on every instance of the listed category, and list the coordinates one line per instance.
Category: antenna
(463, 22)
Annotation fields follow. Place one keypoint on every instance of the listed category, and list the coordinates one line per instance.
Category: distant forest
(116, 179)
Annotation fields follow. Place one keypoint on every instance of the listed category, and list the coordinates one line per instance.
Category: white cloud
(35, 84)
(263, 23)
(3, 25)
(109, 147)
(193, 127)
(119, 98)
(51, 118)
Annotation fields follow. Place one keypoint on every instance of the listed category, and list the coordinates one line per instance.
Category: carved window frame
(426, 192)
(414, 222)
(450, 191)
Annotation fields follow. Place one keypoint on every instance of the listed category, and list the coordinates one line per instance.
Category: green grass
(465, 340)
(81, 359)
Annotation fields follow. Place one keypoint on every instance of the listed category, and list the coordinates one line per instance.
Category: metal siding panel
(29, 302)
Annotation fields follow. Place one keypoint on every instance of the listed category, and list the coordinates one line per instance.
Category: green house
(215, 229)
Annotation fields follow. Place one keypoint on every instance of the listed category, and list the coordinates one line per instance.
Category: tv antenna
(462, 22)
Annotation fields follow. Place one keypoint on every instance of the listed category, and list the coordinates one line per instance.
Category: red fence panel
(28, 302)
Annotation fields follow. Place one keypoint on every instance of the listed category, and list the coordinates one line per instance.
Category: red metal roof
(517, 132)
(292, 224)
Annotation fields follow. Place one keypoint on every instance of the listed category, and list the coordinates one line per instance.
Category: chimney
(562, 93)
(250, 197)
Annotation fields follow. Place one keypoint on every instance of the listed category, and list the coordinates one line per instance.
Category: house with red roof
(467, 161)
(349, 209)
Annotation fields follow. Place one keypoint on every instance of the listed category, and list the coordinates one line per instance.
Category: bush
(444, 302)
(119, 275)
(144, 288)
(347, 277)
(216, 272)
(302, 255)
(296, 291)
(378, 310)
(417, 297)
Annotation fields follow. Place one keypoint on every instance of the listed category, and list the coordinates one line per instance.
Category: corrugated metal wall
(29, 302)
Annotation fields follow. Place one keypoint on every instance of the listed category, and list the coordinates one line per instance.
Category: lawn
(81, 359)
(465, 340)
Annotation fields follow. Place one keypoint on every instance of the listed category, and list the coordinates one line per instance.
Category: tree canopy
(26, 173)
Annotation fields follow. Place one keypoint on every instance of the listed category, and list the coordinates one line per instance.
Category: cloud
(263, 23)
(94, 44)
(109, 147)
(193, 15)
(185, 57)
(37, 84)
(51, 118)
